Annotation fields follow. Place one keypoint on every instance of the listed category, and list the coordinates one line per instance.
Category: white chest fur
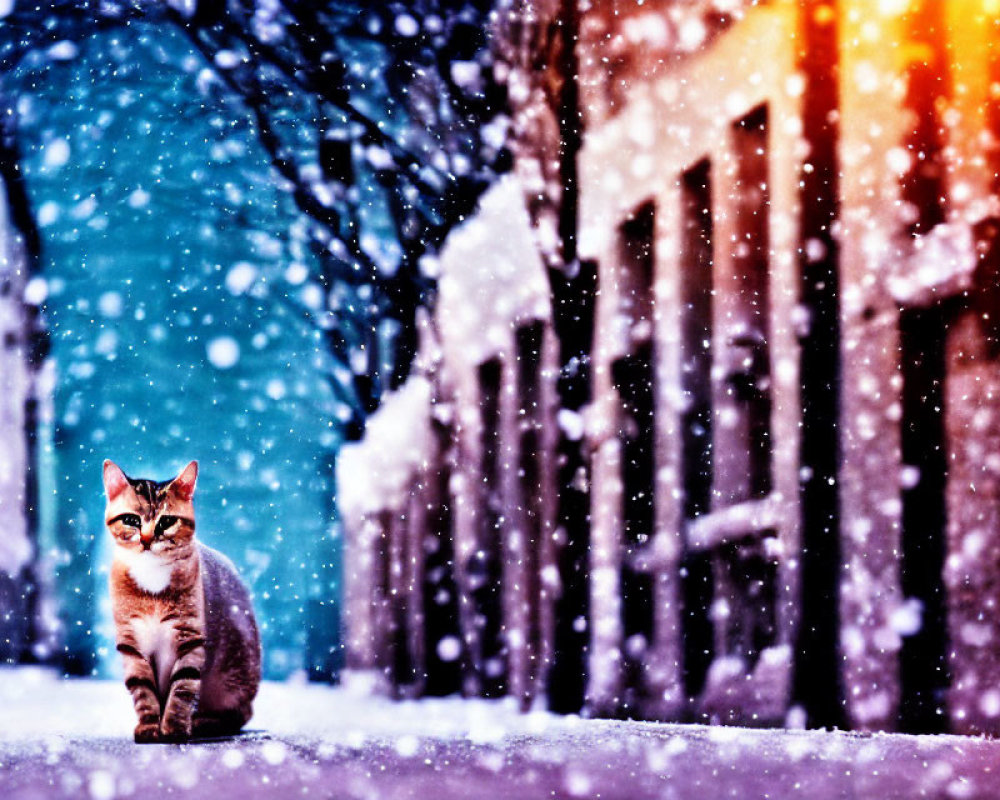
(154, 639)
(147, 569)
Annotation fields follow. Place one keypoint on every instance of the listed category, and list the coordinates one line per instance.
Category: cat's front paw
(175, 730)
(147, 732)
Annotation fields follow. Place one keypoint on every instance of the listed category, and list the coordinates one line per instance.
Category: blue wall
(178, 297)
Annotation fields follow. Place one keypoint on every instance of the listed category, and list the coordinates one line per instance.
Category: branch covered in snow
(373, 117)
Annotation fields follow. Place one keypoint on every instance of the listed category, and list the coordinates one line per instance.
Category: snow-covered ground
(45, 706)
(73, 739)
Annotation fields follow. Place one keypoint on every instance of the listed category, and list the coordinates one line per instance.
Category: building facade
(792, 429)
(447, 500)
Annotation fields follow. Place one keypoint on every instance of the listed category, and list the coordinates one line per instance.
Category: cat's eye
(130, 520)
(165, 523)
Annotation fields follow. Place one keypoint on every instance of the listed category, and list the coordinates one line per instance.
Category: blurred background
(634, 358)
(215, 217)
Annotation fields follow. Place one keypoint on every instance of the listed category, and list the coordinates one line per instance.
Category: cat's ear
(183, 484)
(115, 481)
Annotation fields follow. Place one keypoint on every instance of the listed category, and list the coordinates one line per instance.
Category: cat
(183, 619)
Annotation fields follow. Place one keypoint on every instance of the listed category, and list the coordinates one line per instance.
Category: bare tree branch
(275, 58)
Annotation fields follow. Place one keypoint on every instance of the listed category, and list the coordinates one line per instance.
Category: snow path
(72, 739)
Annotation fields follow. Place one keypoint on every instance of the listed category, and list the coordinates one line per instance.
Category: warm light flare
(897, 8)
(893, 8)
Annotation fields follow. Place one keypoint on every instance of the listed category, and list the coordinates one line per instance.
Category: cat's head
(145, 515)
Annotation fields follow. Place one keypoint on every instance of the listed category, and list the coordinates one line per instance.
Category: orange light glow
(893, 8)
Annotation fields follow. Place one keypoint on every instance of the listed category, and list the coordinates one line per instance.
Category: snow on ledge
(941, 265)
(380, 467)
(492, 277)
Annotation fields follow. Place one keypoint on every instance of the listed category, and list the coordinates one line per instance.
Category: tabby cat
(183, 620)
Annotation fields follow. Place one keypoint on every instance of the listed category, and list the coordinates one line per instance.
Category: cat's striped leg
(184, 690)
(141, 683)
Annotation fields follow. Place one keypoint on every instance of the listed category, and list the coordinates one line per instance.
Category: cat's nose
(146, 537)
